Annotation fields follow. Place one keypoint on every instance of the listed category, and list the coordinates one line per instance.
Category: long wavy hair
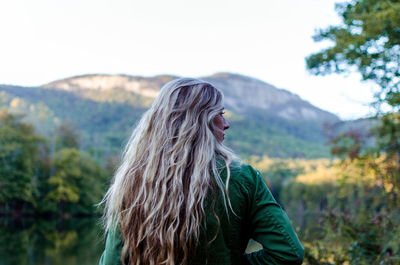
(171, 163)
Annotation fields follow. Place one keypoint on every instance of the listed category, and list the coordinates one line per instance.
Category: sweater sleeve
(112, 251)
(271, 227)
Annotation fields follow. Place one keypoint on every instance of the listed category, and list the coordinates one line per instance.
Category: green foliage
(352, 205)
(104, 122)
(347, 240)
(368, 40)
(93, 121)
(365, 193)
(67, 171)
(19, 158)
(35, 181)
(76, 185)
(389, 133)
(67, 135)
(272, 138)
(357, 207)
(78, 182)
(279, 174)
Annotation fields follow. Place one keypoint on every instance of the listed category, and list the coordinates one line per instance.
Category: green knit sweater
(256, 215)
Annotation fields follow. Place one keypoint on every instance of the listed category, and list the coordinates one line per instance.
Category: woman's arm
(271, 227)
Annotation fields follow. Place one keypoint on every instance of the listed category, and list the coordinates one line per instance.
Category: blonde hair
(171, 163)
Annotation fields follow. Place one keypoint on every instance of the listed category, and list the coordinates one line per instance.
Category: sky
(45, 40)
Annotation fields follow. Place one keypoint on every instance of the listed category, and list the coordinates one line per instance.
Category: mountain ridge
(105, 107)
(262, 94)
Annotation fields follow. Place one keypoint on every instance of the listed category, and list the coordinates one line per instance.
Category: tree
(78, 182)
(368, 41)
(67, 135)
(19, 162)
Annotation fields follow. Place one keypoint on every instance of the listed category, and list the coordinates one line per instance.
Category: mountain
(264, 120)
(242, 94)
(248, 95)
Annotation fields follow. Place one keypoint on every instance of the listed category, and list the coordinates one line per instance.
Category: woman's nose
(226, 125)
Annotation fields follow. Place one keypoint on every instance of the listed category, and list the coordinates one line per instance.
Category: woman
(178, 197)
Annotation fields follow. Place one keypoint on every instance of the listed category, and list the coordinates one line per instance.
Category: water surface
(68, 242)
(50, 242)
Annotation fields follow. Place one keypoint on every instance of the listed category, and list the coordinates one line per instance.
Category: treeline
(40, 176)
(346, 210)
(104, 121)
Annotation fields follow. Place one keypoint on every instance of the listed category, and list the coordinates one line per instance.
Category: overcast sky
(45, 40)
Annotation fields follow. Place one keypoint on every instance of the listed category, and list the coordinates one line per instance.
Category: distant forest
(42, 176)
(105, 119)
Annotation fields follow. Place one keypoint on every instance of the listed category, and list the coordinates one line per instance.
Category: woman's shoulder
(244, 174)
(244, 171)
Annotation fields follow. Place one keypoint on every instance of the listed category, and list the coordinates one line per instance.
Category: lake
(50, 242)
(55, 241)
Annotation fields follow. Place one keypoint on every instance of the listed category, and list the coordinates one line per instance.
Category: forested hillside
(103, 109)
(61, 142)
